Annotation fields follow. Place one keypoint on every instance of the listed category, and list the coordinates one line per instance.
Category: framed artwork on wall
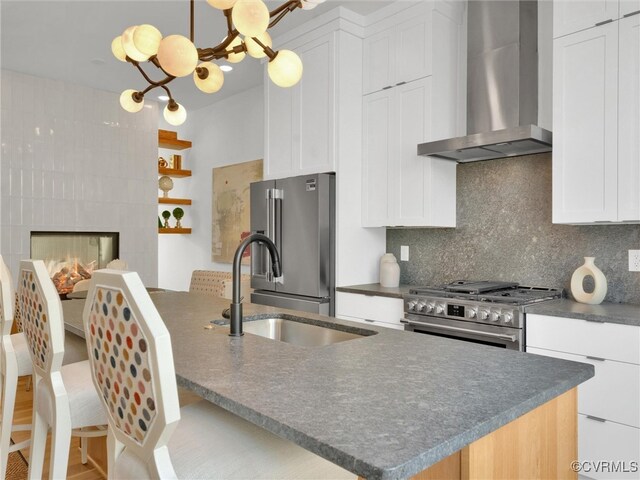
(231, 207)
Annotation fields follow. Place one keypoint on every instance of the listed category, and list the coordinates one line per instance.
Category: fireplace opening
(73, 256)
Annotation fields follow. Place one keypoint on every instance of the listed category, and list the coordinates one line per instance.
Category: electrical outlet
(404, 253)
(634, 260)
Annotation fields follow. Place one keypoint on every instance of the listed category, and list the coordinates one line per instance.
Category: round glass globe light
(176, 117)
(128, 103)
(256, 50)
(118, 50)
(308, 5)
(235, 57)
(286, 69)
(146, 39)
(177, 55)
(129, 46)
(250, 17)
(214, 80)
(221, 4)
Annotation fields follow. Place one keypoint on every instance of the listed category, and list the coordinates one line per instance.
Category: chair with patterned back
(64, 397)
(14, 362)
(149, 435)
(218, 284)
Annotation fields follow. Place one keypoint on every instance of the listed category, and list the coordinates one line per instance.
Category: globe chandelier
(177, 56)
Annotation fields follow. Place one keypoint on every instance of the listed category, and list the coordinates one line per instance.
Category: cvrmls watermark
(605, 466)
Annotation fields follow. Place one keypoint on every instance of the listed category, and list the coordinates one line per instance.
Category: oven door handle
(502, 336)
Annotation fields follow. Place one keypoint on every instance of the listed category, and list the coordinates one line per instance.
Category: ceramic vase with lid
(588, 269)
(389, 271)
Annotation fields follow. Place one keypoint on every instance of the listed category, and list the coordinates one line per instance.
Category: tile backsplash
(505, 233)
(73, 160)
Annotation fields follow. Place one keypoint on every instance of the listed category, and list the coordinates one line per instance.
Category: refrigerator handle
(277, 232)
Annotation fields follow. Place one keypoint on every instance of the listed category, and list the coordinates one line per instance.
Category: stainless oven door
(496, 336)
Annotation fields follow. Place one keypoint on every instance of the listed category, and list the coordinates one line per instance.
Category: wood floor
(22, 414)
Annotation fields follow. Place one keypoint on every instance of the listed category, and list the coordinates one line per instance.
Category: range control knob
(483, 314)
(440, 309)
(472, 313)
(420, 306)
(411, 306)
(429, 308)
(494, 316)
(507, 317)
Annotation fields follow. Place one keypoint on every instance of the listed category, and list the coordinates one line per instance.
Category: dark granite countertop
(376, 289)
(382, 406)
(623, 313)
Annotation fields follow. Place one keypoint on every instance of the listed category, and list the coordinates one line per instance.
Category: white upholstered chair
(64, 397)
(14, 362)
(149, 435)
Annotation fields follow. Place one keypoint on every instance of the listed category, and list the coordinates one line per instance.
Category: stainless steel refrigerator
(298, 214)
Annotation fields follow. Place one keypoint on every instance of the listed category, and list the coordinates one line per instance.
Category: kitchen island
(387, 405)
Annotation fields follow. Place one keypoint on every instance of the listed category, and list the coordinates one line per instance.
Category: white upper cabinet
(399, 53)
(570, 16)
(405, 104)
(596, 111)
(629, 7)
(585, 118)
(300, 120)
(629, 120)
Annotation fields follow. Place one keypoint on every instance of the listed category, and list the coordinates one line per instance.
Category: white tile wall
(73, 160)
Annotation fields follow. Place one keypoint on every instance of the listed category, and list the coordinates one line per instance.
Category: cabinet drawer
(608, 442)
(613, 393)
(605, 340)
(394, 326)
(382, 309)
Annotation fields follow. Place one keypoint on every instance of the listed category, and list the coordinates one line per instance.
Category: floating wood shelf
(175, 201)
(168, 139)
(174, 230)
(173, 172)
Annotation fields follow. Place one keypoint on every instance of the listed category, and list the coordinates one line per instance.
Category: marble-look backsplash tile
(505, 233)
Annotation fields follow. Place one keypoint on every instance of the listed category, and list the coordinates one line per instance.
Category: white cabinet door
(629, 7)
(585, 119)
(378, 147)
(379, 61)
(300, 121)
(374, 308)
(414, 49)
(317, 99)
(608, 442)
(398, 54)
(279, 130)
(570, 16)
(399, 187)
(629, 120)
(613, 393)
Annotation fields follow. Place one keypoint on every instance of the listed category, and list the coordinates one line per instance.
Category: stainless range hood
(502, 86)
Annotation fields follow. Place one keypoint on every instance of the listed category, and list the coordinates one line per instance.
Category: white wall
(545, 64)
(73, 160)
(230, 131)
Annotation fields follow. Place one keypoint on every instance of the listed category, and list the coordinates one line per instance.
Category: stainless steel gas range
(490, 313)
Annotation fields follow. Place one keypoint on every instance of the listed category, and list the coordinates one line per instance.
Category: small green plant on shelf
(166, 215)
(178, 213)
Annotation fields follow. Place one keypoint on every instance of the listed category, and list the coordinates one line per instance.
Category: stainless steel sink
(297, 333)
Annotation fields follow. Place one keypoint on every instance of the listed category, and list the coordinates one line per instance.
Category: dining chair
(63, 396)
(14, 362)
(149, 435)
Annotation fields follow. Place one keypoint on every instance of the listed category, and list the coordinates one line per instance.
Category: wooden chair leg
(83, 448)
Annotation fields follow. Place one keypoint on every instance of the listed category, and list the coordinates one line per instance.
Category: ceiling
(71, 40)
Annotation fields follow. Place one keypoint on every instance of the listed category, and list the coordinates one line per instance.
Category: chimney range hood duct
(502, 86)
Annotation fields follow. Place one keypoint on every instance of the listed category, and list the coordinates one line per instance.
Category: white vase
(389, 271)
(600, 283)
